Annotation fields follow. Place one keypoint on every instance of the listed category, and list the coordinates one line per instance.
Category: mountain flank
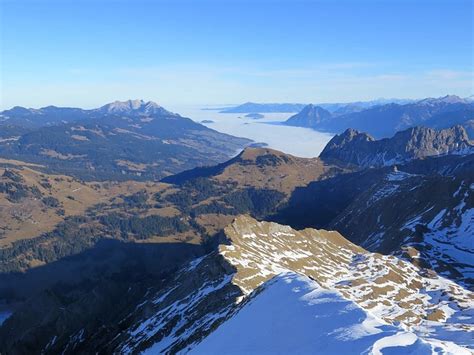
(263, 168)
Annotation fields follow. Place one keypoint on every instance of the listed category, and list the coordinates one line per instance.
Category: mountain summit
(448, 99)
(139, 107)
(310, 116)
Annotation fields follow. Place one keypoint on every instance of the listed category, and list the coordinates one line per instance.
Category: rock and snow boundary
(273, 289)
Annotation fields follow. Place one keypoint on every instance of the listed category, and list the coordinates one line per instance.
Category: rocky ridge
(213, 288)
(361, 149)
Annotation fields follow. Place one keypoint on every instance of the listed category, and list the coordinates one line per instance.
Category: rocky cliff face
(212, 289)
(353, 147)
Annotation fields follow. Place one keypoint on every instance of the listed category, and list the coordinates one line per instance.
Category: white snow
(294, 315)
(385, 191)
(447, 347)
(437, 219)
(457, 239)
(459, 189)
(398, 176)
(400, 339)
(415, 345)
(343, 312)
(4, 315)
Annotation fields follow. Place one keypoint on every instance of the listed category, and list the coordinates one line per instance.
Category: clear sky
(86, 53)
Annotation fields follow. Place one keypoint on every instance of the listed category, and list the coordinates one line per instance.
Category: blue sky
(86, 53)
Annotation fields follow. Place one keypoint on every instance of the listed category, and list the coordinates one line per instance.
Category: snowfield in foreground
(248, 297)
(292, 314)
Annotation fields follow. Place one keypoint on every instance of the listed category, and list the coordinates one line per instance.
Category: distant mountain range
(384, 120)
(252, 107)
(347, 107)
(121, 140)
(52, 115)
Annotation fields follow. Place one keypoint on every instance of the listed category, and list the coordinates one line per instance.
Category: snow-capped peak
(448, 99)
(137, 106)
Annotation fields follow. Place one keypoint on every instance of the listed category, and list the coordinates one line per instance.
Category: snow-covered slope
(212, 290)
(292, 314)
(434, 229)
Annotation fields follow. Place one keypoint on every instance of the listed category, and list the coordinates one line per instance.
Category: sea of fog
(303, 142)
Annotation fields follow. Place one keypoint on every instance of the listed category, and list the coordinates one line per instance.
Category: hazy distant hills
(252, 107)
(50, 115)
(348, 107)
(384, 120)
(310, 116)
(121, 140)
